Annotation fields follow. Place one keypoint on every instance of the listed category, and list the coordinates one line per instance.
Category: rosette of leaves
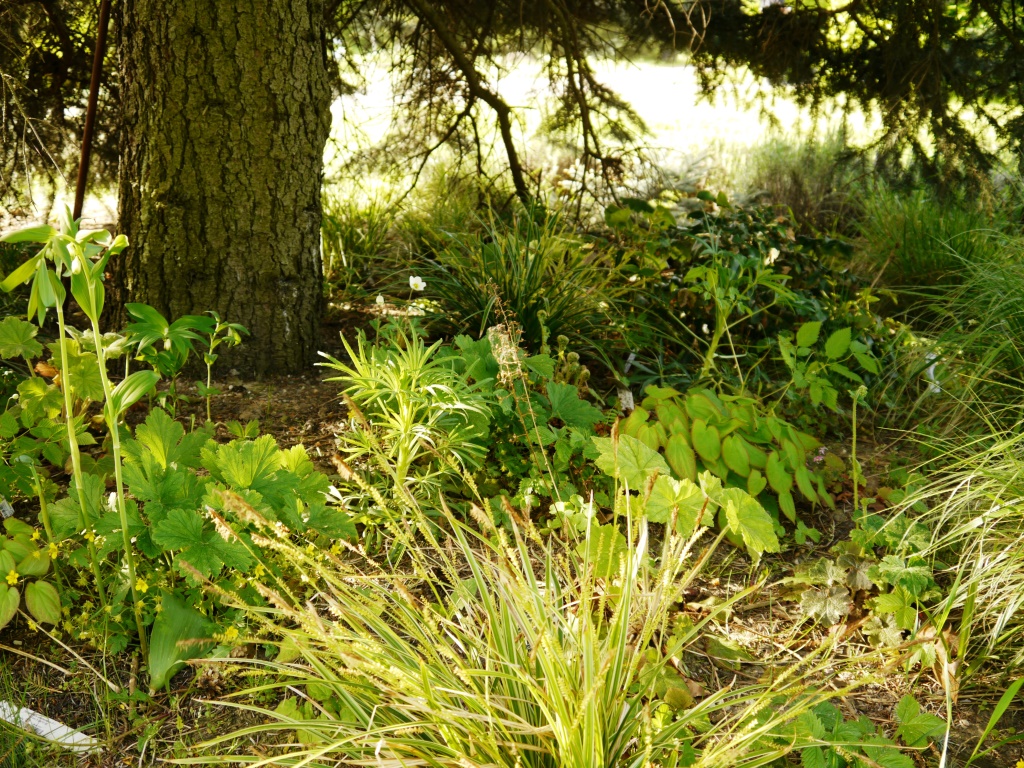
(414, 417)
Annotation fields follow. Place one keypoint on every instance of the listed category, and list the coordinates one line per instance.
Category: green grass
(494, 647)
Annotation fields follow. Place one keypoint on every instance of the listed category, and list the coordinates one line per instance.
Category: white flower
(167, 345)
(417, 283)
(773, 255)
(705, 329)
(76, 265)
(380, 300)
(112, 502)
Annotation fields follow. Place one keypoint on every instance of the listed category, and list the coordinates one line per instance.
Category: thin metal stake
(90, 113)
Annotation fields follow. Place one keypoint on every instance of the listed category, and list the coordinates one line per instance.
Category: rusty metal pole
(90, 112)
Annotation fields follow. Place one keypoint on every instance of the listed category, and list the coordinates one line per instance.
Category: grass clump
(529, 269)
(496, 647)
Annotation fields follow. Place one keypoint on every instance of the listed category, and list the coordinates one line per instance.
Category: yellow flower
(140, 585)
(90, 536)
(12, 577)
(54, 551)
(230, 634)
(1020, 764)
(259, 570)
(35, 535)
(32, 625)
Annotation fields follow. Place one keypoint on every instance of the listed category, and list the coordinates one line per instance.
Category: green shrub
(415, 417)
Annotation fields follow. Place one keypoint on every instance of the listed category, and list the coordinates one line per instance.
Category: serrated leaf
(882, 632)
(633, 463)
(867, 362)
(900, 604)
(838, 344)
(604, 549)
(567, 406)
(38, 399)
(542, 365)
(109, 527)
(807, 335)
(886, 755)
(916, 728)
(18, 339)
(166, 440)
(43, 602)
(915, 577)
(681, 497)
(749, 519)
(813, 757)
(185, 531)
(176, 630)
(830, 604)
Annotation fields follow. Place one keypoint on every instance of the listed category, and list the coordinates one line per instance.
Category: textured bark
(226, 110)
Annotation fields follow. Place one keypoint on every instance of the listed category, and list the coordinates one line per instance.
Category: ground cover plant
(610, 458)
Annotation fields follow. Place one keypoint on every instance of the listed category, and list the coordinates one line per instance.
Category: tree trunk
(226, 111)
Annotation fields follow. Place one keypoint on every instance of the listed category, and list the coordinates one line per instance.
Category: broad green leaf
(10, 598)
(807, 335)
(900, 604)
(567, 406)
(43, 602)
(165, 441)
(35, 564)
(37, 234)
(634, 463)
(109, 528)
(83, 373)
(185, 531)
(916, 728)
(838, 344)
(604, 549)
(830, 604)
(21, 275)
(16, 527)
(749, 519)
(680, 496)
(178, 633)
(479, 362)
(542, 365)
(146, 314)
(18, 339)
(131, 390)
(914, 576)
(883, 753)
(38, 400)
